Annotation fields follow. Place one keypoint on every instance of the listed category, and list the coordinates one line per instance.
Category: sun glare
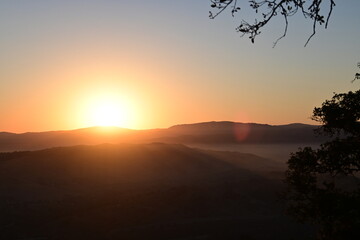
(108, 111)
(108, 114)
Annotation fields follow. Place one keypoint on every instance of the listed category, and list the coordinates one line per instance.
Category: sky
(153, 64)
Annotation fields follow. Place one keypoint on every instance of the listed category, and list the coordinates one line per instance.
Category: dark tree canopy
(318, 11)
(323, 185)
(341, 113)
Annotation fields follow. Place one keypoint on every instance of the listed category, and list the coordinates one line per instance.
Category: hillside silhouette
(141, 191)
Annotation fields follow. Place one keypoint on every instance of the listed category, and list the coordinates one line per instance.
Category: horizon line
(157, 128)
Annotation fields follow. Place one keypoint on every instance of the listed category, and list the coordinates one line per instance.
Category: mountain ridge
(224, 132)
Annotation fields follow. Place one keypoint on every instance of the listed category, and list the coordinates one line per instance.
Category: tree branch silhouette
(269, 9)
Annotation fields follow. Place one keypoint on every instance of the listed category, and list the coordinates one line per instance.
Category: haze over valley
(230, 136)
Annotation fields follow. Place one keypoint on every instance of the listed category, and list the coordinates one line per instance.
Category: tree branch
(271, 8)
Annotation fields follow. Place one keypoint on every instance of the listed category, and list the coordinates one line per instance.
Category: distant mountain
(140, 191)
(230, 132)
(199, 133)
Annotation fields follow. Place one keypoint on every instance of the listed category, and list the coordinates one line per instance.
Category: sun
(108, 111)
(105, 108)
(108, 114)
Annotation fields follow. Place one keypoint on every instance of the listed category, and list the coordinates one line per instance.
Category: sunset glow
(75, 70)
(179, 119)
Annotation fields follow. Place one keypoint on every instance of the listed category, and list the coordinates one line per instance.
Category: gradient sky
(166, 62)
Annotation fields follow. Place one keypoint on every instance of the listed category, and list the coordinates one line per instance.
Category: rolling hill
(141, 191)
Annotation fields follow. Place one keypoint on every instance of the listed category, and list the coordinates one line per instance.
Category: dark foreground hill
(191, 134)
(141, 191)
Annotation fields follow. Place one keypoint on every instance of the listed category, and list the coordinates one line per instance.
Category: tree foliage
(323, 185)
(268, 9)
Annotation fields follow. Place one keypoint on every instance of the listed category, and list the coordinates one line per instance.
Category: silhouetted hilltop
(140, 191)
(214, 124)
(126, 162)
